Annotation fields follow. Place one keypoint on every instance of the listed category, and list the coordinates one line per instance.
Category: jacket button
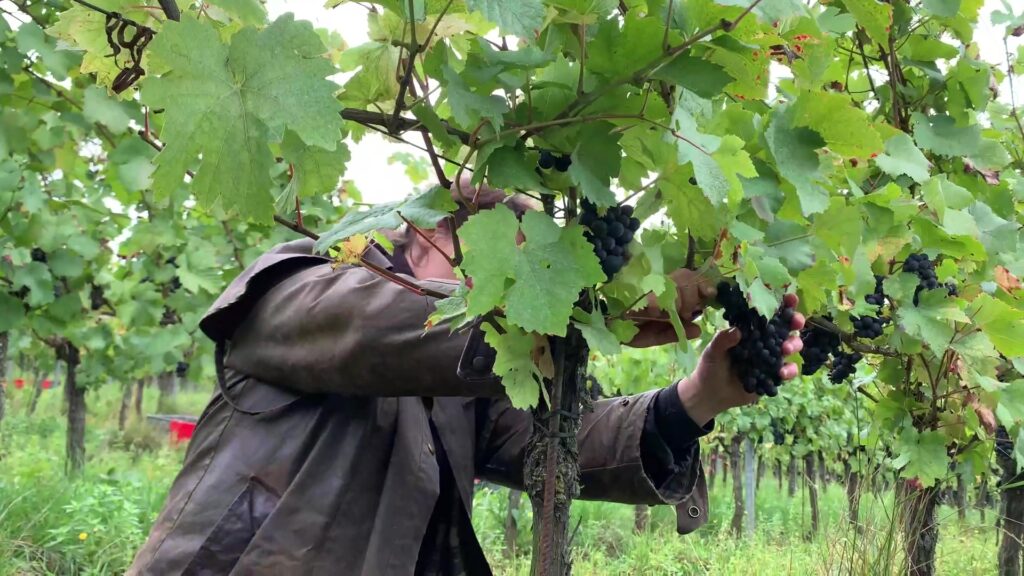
(430, 448)
(694, 512)
(481, 364)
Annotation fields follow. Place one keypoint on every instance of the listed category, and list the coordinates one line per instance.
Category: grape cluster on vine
(819, 345)
(923, 266)
(877, 298)
(758, 356)
(39, 255)
(869, 327)
(843, 366)
(549, 160)
(610, 234)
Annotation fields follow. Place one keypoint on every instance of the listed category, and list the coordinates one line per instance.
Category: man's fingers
(789, 371)
(798, 321)
(725, 340)
(792, 345)
(692, 330)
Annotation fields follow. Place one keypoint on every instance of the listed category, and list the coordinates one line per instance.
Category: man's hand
(714, 386)
(693, 293)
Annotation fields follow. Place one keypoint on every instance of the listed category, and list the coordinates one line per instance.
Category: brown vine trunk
(75, 399)
(140, 391)
(37, 392)
(713, 470)
(737, 484)
(792, 476)
(852, 494)
(822, 471)
(812, 489)
(641, 518)
(126, 402)
(1012, 517)
(778, 474)
(3, 376)
(760, 473)
(981, 501)
(961, 498)
(165, 399)
(552, 457)
(920, 531)
(511, 524)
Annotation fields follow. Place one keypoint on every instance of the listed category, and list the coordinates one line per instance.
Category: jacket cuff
(670, 450)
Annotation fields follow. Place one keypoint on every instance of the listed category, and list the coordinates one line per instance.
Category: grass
(92, 525)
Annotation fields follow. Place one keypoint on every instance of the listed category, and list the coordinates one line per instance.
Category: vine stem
(850, 341)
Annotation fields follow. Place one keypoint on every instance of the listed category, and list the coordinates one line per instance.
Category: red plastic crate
(47, 384)
(19, 383)
(181, 431)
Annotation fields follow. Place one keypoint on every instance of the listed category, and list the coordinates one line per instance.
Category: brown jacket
(321, 458)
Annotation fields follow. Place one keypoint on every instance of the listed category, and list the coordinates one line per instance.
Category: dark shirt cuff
(669, 442)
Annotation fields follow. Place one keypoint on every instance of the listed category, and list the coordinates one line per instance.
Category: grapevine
(610, 234)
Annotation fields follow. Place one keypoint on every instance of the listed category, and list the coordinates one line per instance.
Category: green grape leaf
(939, 193)
(921, 455)
(690, 210)
(941, 135)
(874, 16)
(375, 80)
(517, 17)
(36, 276)
(1003, 324)
(224, 103)
(702, 77)
(425, 210)
(595, 160)
(316, 171)
(616, 49)
(932, 319)
(11, 311)
(942, 8)
(468, 107)
(840, 227)
(247, 11)
(583, 11)
(718, 162)
(98, 107)
(65, 263)
(450, 308)
(847, 130)
(508, 167)
(598, 336)
(31, 38)
(796, 157)
(903, 158)
(539, 280)
(771, 10)
(514, 363)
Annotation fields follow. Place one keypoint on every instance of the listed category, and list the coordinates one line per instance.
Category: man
(343, 440)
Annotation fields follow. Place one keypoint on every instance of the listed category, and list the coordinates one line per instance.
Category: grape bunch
(758, 356)
(39, 255)
(921, 265)
(951, 289)
(778, 437)
(843, 366)
(877, 298)
(181, 369)
(1004, 445)
(868, 327)
(549, 160)
(610, 234)
(819, 345)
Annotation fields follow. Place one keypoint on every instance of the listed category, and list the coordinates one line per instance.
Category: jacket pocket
(234, 531)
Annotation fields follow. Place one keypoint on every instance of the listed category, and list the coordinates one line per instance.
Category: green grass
(50, 524)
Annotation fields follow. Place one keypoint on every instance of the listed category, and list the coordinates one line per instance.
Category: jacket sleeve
(610, 447)
(349, 331)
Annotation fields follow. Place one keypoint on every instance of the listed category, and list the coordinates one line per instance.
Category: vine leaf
(595, 331)
(874, 16)
(931, 320)
(922, 455)
(847, 130)
(939, 193)
(902, 158)
(98, 107)
(514, 363)
(718, 162)
(538, 280)
(224, 102)
(941, 135)
(316, 170)
(517, 17)
(247, 11)
(1003, 324)
(425, 210)
(11, 311)
(596, 159)
(796, 157)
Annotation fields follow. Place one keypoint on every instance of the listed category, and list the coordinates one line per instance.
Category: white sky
(369, 167)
